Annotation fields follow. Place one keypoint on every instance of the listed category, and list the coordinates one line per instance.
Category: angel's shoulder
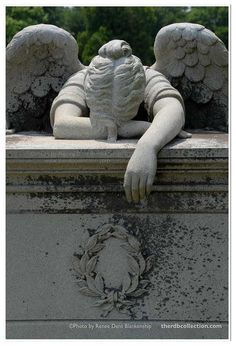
(158, 87)
(150, 74)
(156, 80)
(77, 77)
(157, 83)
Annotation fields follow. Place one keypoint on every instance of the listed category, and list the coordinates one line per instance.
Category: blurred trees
(94, 26)
(19, 17)
(213, 18)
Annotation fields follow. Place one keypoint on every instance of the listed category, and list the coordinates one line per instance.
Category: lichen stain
(185, 265)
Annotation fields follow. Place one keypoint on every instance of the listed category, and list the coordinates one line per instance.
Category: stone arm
(141, 170)
(70, 123)
(69, 112)
(69, 119)
(165, 105)
(70, 115)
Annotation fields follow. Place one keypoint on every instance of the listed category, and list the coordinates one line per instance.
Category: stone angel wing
(39, 60)
(195, 61)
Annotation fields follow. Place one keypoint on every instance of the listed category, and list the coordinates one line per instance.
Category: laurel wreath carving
(134, 283)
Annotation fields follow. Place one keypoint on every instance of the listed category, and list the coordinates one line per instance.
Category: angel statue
(116, 96)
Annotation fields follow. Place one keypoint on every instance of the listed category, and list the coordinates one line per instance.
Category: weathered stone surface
(200, 145)
(102, 100)
(195, 61)
(60, 192)
(39, 60)
(188, 280)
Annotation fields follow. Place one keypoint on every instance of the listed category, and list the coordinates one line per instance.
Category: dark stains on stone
(33, 115)
(75, 181)
(175, 246)
(83, 202)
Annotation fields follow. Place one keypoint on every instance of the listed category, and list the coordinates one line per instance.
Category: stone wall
(58, 195)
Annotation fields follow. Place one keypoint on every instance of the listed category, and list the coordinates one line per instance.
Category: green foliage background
(94, 26)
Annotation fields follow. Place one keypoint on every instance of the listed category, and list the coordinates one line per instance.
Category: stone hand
(140, 174)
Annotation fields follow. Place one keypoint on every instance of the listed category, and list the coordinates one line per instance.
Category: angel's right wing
(195, 61)
(39, 60)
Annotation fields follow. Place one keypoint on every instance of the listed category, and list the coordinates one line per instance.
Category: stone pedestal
(60, 192)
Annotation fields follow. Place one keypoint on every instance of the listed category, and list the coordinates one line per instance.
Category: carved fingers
(137, 186)
(142, 187)
(140, 174)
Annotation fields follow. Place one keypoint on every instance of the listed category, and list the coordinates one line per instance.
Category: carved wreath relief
(115, 285)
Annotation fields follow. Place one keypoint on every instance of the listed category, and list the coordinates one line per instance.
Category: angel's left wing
(195, 61)
(39, 60)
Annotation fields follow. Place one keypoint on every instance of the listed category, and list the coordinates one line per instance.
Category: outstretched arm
(141, 169)
(69, 123)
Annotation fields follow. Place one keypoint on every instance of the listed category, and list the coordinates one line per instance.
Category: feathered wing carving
(195, 61)
(39, 60)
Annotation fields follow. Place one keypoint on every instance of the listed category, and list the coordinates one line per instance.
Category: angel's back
(114, 86)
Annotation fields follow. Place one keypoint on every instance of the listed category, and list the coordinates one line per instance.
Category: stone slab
(24, 145)
(59, 193)
(189, 277)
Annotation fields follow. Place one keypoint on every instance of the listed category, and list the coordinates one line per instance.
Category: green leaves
(94, 26)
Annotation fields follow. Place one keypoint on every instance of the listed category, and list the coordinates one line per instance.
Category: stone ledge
(72, 176)
(34, 145)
